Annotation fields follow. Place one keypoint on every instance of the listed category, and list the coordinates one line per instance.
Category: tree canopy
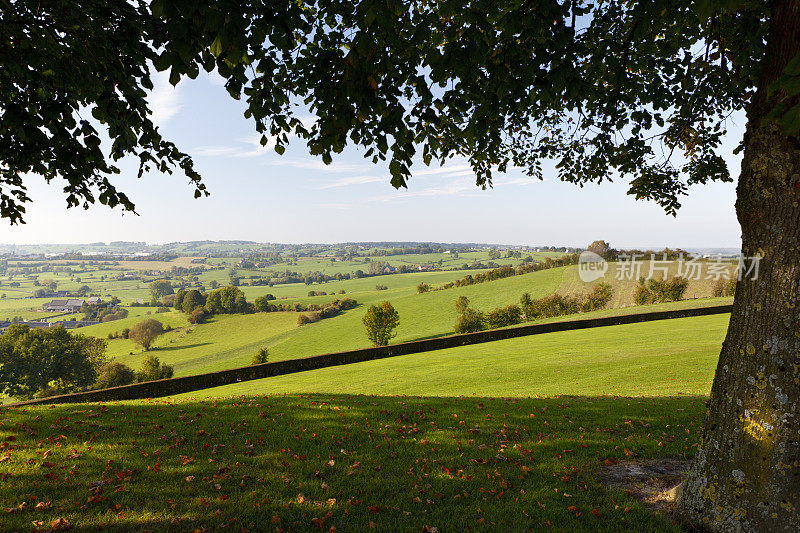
(36, 360)
(606, 89)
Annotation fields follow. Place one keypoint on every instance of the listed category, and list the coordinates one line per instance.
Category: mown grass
(661, 358)
(421, 315)
(226, 341)
(353, 463)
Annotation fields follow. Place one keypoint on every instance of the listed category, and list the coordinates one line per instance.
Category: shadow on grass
(309, 462)
(181, 347)
(438, 335)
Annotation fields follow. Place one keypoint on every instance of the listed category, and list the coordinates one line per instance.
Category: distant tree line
(229, 300)
(104, 311)
(508, 271)
(319, 312)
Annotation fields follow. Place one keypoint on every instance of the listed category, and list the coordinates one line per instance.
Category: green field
(228, 341)
(625, 360)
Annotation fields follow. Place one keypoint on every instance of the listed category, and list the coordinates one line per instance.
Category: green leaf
(216, 46)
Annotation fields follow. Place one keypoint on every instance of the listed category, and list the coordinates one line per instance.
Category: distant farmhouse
(64, 306)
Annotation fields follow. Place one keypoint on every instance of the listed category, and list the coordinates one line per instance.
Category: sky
(259, 195)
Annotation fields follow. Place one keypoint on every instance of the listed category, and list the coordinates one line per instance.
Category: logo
(591, 266)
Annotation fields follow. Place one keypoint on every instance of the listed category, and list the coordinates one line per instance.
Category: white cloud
(255, 143)
(354, 180)
(255, 148)
(215, 151)
(317, 164)
(165, 100)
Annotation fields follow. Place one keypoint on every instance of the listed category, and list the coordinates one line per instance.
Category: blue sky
(258, 195)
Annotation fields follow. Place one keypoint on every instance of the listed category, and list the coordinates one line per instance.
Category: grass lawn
(354, 463)
(225, 341)
(421, 315)
(661, 358)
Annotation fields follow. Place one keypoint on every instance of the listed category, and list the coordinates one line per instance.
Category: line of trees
(469, 320)
(508, 271)
(318, 312)
(654, 291)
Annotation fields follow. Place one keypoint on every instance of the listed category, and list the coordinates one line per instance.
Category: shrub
(380, 287)
(724, 287)
(192, 300)
(598, 298)
(152, 369)
(423, 287)
(718, 288)
(114, 375)
(643, 295)
(302, 320)
(162, 310)
(126, 332)
(145, 332)
(261, 356)
(262, 304)
(671, 290)
(470, 321)
(504, 316)
(551, 306)
(381, 323)
(730, 287)
(198, 316)
(525, 302)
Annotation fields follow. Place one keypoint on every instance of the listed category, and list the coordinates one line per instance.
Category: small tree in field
(145, 332)
(114, 375)
(261, 356)
(381, 321)
(462, 303)
(152, 369)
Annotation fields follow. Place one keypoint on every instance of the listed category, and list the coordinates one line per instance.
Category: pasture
(624, 360)
(510, 435)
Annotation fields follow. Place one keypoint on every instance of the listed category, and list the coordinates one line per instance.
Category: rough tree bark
(746, 475)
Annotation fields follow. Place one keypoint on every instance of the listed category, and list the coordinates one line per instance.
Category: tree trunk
(746, 475)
